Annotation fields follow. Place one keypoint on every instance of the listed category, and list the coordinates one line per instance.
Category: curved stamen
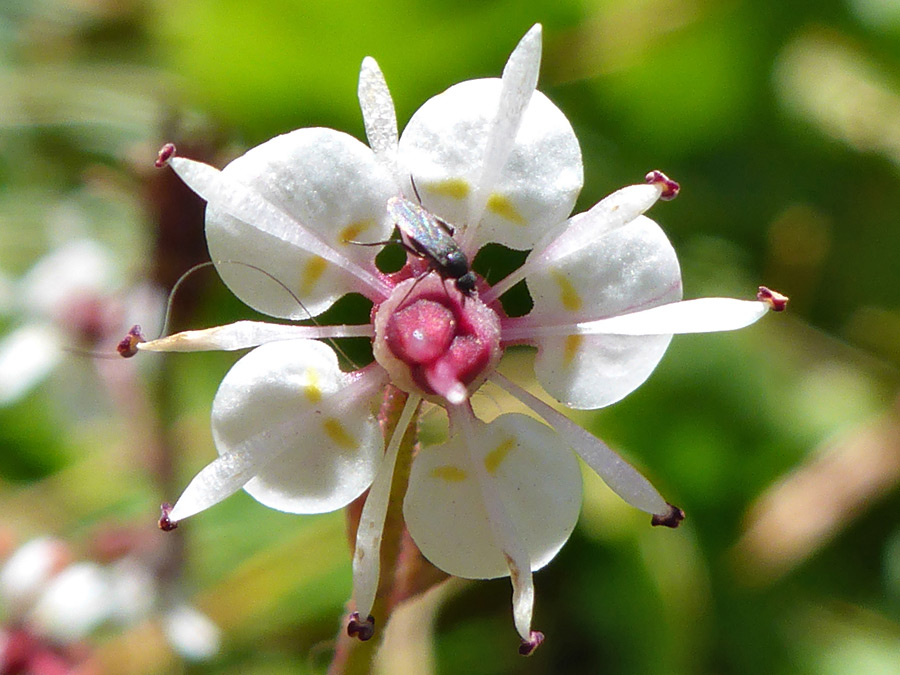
(503, 529)
(519, 81)
(703, 315)
(246, 334)
(618, 474)
(367, 555)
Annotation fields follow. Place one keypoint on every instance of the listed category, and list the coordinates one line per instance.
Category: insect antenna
(170, 302)
(415, 189)
(296, 299)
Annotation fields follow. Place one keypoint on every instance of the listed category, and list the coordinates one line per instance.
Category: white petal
(27, 355)
(582, 230)
(538, 482)
(290, 403)
(283, 215)
(632, 267)
(292, 429)
(444, 147)
(246, 334)
(378, 113)
(619, 475)
(587, 372)
(81, 267)
(367, 553)
(191, 633)
(76, 601)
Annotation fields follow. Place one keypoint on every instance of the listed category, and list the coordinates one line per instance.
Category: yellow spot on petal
(496, 456)
(312, 389)
(573, 344)
(449, 473)
(353, 230)
(312, 272)
(337, 433)
(568, 295)
(501, 205)
(457, 188)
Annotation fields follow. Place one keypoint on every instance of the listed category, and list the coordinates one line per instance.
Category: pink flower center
(435, 341)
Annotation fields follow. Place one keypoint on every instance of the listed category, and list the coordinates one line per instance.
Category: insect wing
(426, 233)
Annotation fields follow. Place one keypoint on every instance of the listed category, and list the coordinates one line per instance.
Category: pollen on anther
(128, 345)
(670, 188)
(166, 524)
(166, 153)
(362, 630)
(672, 518)
(775, 300)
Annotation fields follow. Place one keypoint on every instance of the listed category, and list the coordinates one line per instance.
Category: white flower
(499, 161)
(67, 300)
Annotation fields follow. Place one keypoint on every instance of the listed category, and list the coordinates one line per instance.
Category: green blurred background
(781, 120)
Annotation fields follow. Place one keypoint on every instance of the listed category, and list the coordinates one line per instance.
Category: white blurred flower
(60, 602)
(499, 161)
(191, 633)
(28, 570)
(69, 300)
(74, 603)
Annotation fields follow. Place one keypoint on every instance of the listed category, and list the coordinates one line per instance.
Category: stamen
(671, 519)
(362, 630)
(166, 153)
(533, 642)
(128, 346)
(367, 555)
(166, 524)
(775, 300)
(670, 188)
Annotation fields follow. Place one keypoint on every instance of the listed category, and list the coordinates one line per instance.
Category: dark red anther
(166, 524)
(670, 188)
(127, 347)
(533, 642)
(671, 519)
(165, 154)
(775, 300)
(361, 630)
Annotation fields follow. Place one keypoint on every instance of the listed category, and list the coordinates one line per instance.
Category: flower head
(490, 160)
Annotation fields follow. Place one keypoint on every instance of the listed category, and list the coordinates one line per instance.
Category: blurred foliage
(782, 123)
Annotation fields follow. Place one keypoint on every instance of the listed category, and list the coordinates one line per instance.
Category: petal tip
(669, 187)
(166, 153)
(528, 647)
(672, 518)
(166, 522)
(775, 300)
(361, 630)
(128, 345)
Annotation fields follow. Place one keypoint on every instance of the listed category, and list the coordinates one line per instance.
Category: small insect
(431, 238)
